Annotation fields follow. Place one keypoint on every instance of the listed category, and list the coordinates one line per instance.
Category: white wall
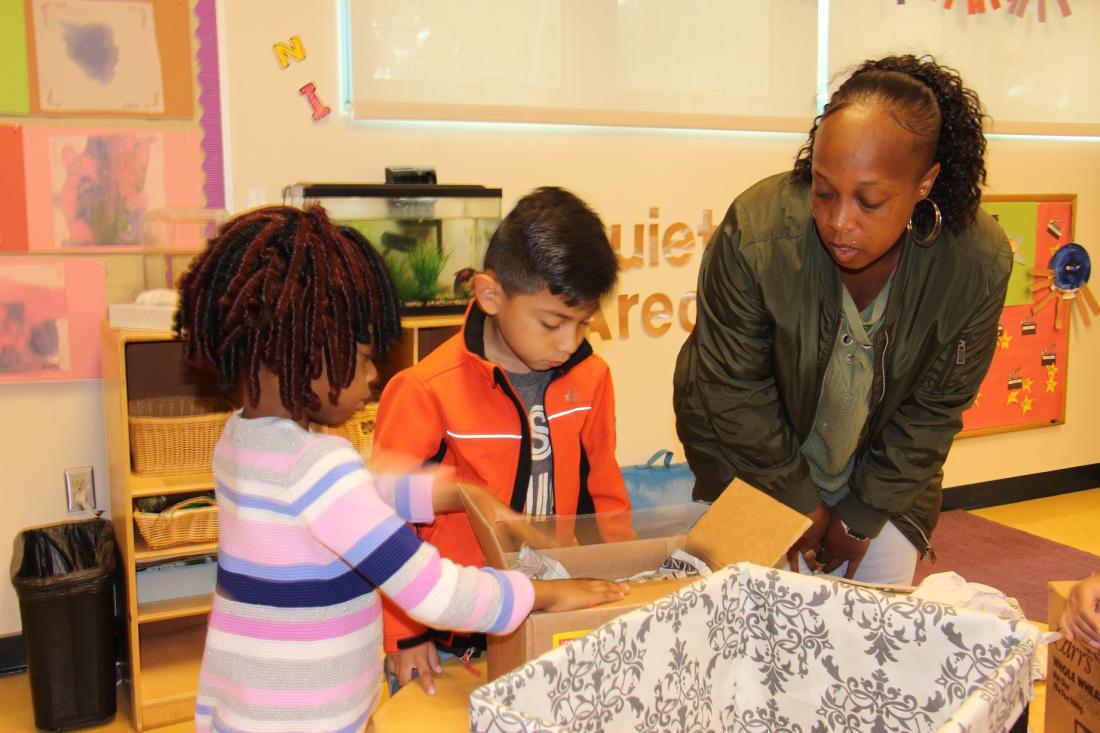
(271, 142)
(44, 429)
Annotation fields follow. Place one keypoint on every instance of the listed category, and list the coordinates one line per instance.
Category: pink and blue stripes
(308, 536)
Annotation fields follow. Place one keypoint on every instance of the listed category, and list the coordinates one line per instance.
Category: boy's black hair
(930, 101)
(553, 240)
(289, 290)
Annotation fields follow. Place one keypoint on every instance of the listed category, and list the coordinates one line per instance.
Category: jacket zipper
(927, 542)
(960, 360)
(522, 480)
(882, 364)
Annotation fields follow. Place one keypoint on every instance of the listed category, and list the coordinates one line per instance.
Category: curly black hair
(930, 101)
(289, 290)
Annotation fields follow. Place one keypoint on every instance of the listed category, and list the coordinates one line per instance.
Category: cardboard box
(742, 525)
(1073, 676)
(762, 649)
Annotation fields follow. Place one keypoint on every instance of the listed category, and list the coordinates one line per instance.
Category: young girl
(293, 308)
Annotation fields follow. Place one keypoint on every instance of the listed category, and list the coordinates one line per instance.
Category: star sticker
(1004, 340)
(978, 400)
(1013, 397)
(1028, 381)
(1025, 406)
(1051, 384)
(1052, 369)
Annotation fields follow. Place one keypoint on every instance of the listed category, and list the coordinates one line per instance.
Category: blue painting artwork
(92, 48)
(97, 56)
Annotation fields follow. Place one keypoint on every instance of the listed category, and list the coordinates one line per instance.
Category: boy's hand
(423, 659)
(574, 593)
(1080, 619)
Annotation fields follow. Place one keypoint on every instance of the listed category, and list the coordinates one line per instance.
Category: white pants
(891, 559)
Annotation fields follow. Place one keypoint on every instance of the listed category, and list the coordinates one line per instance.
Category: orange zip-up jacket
(458, 409)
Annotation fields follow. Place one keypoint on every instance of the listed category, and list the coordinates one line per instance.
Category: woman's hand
(810, 543)
(574, 593)
(840, 547)
(1081, 617)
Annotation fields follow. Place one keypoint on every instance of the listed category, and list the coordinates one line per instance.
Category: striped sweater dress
(307, 536)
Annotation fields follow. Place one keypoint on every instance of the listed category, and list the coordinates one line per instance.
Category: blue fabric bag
(659, 484)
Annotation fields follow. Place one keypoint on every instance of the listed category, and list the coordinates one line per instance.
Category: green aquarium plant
(416, 275)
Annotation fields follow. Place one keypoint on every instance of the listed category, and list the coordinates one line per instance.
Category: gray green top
(845, 402)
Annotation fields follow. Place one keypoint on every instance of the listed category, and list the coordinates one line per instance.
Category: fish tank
(432, 237)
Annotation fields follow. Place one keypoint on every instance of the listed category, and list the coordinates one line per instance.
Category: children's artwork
(50, 311)
(34, 329)
(97, 56)
(91, 187)
(101, 186)
(1026, 383)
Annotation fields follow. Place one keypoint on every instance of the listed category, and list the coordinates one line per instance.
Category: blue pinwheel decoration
(1067, 276)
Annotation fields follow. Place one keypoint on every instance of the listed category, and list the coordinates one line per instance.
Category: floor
(1070, 519)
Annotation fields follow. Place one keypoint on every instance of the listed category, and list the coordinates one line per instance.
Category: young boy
(516, 402)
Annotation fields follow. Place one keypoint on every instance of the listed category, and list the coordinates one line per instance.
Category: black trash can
(64, 577)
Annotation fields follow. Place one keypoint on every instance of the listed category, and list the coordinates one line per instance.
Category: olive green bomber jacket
(748, 379)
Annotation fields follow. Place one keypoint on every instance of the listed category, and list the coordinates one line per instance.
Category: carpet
(1016, 563)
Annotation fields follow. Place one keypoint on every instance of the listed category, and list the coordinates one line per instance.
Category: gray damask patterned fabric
(753, 649)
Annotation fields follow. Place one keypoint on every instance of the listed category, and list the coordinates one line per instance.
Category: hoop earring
(937, 224)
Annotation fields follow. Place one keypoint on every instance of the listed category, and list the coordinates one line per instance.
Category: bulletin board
(111, 167)
(1026, 383)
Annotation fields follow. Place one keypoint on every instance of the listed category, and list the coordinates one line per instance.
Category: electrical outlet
(80, 488)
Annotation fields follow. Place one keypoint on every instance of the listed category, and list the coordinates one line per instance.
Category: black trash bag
(64, 577)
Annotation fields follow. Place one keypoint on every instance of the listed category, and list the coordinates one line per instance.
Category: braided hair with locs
(289, 290)
(931, 102)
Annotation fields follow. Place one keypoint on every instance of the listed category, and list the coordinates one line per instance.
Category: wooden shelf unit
(165, 637)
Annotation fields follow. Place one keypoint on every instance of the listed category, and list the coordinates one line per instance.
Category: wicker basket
(180, 524)
(175, 435)
(359, 429)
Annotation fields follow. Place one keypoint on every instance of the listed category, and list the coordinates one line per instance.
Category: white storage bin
(756, 649)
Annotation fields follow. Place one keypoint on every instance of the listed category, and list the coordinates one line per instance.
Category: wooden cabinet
(165, 633)
(167, 602)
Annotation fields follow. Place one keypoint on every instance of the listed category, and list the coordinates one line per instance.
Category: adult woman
(847, 314)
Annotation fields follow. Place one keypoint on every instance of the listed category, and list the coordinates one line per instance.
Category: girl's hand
(1080, 619)
(518, 525)
(574, 593)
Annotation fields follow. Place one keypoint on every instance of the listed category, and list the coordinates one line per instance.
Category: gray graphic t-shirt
(531, 388)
